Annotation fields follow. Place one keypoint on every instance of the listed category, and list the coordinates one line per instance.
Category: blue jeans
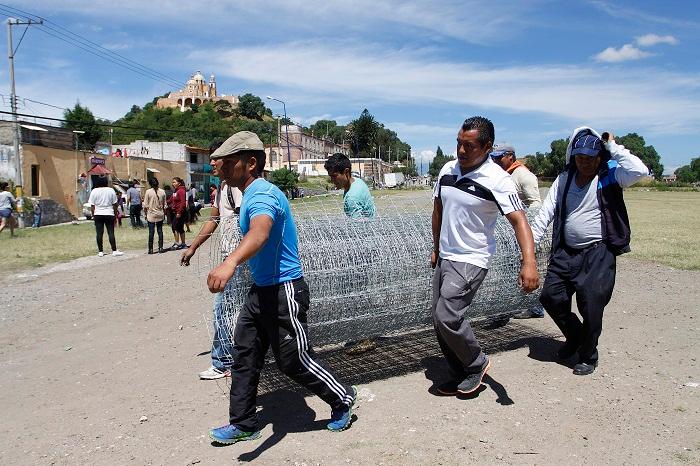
(37, 220)
(222, 344)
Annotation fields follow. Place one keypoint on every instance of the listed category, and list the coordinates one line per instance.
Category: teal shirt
(358, 201)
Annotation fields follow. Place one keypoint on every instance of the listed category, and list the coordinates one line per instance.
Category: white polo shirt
(471, 204)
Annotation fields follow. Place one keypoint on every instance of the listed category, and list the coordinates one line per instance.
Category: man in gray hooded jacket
(590, 229)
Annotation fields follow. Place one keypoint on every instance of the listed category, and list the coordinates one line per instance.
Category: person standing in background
(154, 205)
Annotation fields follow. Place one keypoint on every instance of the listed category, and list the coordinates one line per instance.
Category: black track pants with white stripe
(275, 316)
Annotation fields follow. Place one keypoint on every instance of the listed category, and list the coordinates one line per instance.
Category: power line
(107, 125)
(66, 35)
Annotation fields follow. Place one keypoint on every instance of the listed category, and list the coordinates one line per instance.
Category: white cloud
(579, 93)
(639, 15)
(649, 40)
(625, 53)
(474, 21)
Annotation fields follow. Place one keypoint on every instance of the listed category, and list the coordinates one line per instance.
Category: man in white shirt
(590, 229)
(470, 194)
(224, 211)
(528, 191)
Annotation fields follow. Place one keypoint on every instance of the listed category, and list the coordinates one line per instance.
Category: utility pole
(13, 95)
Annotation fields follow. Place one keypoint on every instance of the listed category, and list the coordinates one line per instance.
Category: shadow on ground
(413, 352)
(283, 401)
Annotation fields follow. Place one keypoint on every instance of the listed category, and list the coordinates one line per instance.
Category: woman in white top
(103, 204)
(154, 206)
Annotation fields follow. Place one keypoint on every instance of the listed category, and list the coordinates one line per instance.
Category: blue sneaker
(230, 434)
(341, 418)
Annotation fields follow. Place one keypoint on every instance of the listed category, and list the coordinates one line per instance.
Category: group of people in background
(179, 209)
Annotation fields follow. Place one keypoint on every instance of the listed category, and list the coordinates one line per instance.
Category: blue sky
(536, 68)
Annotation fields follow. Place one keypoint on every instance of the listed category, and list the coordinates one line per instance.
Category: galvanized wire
(370, 277)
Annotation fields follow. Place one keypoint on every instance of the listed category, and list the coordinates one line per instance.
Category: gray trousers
(454, 287)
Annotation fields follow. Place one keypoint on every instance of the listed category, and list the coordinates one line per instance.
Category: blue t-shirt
(358, 201)
(278, 260)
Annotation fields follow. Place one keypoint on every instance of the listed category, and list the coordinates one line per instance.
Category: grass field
(665, 228)
(60, 243)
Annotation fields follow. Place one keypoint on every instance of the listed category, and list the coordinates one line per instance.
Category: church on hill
(197, 91)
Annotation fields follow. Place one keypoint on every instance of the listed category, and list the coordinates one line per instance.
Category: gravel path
(95, 374)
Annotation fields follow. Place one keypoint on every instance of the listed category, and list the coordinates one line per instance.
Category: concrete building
(301, 147)
(52, 168)
(196, 159)
(196, 92)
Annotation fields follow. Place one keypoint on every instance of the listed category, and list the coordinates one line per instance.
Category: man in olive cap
(274, 312)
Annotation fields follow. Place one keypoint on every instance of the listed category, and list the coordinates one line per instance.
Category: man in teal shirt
(357, 200)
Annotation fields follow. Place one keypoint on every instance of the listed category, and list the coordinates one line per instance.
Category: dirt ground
(99, 361)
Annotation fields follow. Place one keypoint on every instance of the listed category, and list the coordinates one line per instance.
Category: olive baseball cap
(239, 142)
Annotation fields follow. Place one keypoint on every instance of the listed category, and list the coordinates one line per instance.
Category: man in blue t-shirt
(274, 312)
(357, 200)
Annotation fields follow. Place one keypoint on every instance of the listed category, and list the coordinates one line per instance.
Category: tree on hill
(81, 119)
(251, 106)
(438, 162)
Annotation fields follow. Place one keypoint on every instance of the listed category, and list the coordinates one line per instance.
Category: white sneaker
(117, 253)
(213, 373)
(100, 254)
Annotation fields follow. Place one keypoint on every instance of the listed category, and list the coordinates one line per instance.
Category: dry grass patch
(665, 227)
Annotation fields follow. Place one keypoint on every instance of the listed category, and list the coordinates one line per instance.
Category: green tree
(636, 144)
(363, 130)
(438, 162)
(251, 106)
(689, 173)
(285, 179)
(81, 119)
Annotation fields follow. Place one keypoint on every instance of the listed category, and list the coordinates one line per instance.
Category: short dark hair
(99, 182)
(484, 126)
(259, 157)
(4, 185)
(337, 163)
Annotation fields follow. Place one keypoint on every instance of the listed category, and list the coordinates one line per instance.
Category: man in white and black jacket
(591, 228)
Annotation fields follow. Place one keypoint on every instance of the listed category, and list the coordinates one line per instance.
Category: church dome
(198, 76)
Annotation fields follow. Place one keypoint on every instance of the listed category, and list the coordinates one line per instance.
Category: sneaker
(213, 373)
(448, 388)
(341, 418)
(528, 314)
(585, 368)
(230, 434)
(100, 254)
(472, 382)
(117, 253)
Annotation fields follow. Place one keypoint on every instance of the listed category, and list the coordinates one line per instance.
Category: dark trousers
(135, 215)
(275, 316)
(590, 274)
(102, 221)
(152, 226)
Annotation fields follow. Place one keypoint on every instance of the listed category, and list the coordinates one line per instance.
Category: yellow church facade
(196, 92)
